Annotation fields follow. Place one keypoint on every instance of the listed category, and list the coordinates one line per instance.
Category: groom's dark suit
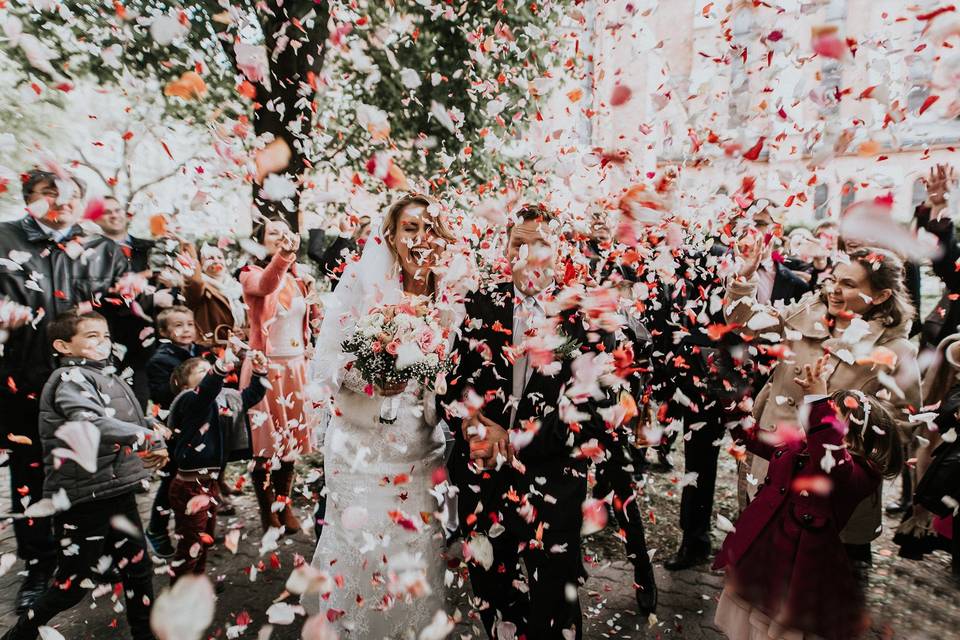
(540, 507)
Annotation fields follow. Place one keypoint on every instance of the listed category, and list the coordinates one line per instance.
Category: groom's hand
(488, 440)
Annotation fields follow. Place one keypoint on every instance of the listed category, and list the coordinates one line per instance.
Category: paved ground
(908, 599)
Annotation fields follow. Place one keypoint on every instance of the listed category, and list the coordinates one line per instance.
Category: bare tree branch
(146, 185)
(96, 170)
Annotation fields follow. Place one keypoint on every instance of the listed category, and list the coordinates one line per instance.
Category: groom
(518, 466)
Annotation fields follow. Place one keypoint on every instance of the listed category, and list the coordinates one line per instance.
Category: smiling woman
(417, 233)
(860, 319)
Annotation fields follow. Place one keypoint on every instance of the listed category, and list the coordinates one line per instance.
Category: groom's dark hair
(527, 212)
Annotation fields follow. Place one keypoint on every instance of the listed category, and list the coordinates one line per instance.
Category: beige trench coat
(802, 328)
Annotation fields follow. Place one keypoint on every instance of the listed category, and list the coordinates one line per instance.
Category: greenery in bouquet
(394, 344)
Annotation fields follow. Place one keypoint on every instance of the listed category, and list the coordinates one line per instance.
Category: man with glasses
(49, 266)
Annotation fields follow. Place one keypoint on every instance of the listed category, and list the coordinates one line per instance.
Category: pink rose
(393, 347)
(427, 340)
(376, 347)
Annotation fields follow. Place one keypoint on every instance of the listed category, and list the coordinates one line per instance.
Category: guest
(863, 310)
(178, 333)
(114, 223)
(133, 332)
(52, 282)
(82, 391)
(281, 326)
(178, 342)
(788, 538)
(210, 428)
(215, 297)
(353, 232)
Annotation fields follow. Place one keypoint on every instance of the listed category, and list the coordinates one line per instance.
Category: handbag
(941, 479)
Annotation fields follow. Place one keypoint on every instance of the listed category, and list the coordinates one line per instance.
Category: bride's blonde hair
(438, 220)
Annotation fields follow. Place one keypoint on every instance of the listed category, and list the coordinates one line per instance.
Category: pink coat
(787, 540)
(261, 292)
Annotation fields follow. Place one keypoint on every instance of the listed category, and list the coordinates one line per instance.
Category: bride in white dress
(383, 541)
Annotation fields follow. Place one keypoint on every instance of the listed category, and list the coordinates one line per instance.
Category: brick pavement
(908, 599)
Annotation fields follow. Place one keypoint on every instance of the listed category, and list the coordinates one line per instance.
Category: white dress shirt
(528, 311)
(56, 234)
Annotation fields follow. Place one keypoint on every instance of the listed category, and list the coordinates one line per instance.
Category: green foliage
(468, 55)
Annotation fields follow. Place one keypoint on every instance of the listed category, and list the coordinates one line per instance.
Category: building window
(847, 195)
(919, 193)
(739, 94)
(831, 71)
(821, 201)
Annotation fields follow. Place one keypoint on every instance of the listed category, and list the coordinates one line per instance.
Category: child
(788, 538)
(210, 428)
(102, 520)
(178, 332)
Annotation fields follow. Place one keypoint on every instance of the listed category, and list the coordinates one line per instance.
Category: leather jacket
(55, 277)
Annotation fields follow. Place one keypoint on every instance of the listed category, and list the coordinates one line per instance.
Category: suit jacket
(553, 452)
(52, 278)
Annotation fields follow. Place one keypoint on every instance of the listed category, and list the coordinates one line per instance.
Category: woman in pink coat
(788, 575)
(281, 319)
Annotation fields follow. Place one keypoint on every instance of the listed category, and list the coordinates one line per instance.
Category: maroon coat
(785, 556)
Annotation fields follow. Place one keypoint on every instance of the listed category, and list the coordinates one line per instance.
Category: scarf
(232, 290)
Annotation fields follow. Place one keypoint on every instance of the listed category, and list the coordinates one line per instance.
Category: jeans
(190, 528)
(88, 527)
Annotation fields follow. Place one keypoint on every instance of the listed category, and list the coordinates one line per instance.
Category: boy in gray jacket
(98, 452)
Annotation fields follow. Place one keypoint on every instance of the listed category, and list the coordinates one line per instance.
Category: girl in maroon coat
(787, 573)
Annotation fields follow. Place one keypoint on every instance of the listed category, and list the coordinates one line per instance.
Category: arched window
(821, 201)
(848, 195)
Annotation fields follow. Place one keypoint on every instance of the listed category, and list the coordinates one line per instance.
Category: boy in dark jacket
(210, 428)
(98, 452)
(178, 333)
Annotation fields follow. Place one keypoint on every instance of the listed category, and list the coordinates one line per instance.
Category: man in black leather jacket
(49, 265)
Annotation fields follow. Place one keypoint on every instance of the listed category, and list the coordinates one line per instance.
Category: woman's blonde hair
(439, 222)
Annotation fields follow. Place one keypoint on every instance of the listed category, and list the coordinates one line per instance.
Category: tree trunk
(285, 109)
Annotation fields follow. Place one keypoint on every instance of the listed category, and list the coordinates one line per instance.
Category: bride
(383, 543)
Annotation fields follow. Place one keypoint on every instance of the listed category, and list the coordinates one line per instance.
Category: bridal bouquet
(394, 344)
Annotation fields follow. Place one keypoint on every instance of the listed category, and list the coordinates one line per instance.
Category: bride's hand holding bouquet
(398, 343)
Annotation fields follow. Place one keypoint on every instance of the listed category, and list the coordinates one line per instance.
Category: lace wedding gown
(382, 543)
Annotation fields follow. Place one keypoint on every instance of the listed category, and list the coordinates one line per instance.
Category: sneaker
(160, 544)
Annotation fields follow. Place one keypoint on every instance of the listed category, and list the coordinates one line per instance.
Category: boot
(265, 498)
(283, 478)
(34, 585)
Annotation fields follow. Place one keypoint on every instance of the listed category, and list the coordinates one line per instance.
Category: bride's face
(417, 244)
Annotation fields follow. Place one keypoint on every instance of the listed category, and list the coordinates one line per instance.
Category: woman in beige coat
(861, 317)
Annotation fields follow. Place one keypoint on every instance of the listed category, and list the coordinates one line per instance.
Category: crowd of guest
(804, 346)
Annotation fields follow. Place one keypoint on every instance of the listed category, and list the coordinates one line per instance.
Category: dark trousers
(542, 610)
(160, 512)
(190, 528)
(701, 452)
(20, 416)
(87, 525)
(614, 474)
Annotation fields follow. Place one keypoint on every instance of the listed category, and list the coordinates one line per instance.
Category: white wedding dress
(383, 540)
